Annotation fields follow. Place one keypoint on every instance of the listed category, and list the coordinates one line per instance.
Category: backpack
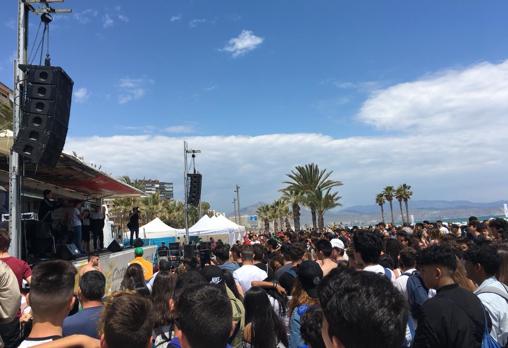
(417, 293)
(388, 273)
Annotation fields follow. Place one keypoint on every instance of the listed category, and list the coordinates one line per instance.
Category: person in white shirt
(482, 265)
(248, 273)
(407, 263)
(367, 250)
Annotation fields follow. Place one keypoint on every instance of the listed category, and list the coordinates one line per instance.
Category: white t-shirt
(36, 341)
(401, 282)
(379, 270)
(247, 274)
(76, 217)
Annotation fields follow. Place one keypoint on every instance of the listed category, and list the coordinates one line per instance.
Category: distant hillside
(422, 210)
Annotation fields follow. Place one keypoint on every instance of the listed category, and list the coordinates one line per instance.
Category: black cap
(310, 275)
(212, 274)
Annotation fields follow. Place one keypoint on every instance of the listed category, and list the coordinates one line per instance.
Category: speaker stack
(194, 196)
(45, 106)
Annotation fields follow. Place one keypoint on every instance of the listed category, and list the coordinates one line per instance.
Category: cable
(35, 40)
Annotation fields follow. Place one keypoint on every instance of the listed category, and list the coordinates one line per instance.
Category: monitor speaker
(114, 246)
(194, 189)
(68, 251)
(45, 106)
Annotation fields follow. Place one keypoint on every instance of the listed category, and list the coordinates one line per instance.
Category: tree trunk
(391, 212)
(407, 211)
(321, 221)
(275, 226)
(313, 213)
(281, 223)
(382, 213)
(296, 216)
(288, 225)
(267, 225)
(401, 213)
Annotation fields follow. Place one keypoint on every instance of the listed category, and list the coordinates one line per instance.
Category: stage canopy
(157, 229)
(216, 226)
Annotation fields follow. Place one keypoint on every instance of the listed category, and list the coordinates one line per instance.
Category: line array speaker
(194, 189)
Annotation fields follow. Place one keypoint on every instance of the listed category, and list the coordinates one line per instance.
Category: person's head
(203, 317)
(188, 279)
(51, 291)
(236, 251)
(296, 252)
(403, 238)
(92, 286)
(5, 240)
(272, 244)
(164, 265)
(213, 275)
(361, 310)
(47, 194)
(502, 251)
(127, 322)
(135, 210)
(259, 252)
(436, 265)
(482, 263)
(134, 279)
(311, 326)
(407, 258)
(222, 254)
(309, 275)
(230, 282)
(138, 252)
(260, 314)
(162, 291)
(247, 253)
(367, 246)
(324, 248)
(93, 259)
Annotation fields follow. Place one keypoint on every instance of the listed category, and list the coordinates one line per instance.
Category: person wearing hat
(145, 264)
(305, 295)
(338, 253)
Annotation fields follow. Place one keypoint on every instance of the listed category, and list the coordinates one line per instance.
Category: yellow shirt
(146, 265)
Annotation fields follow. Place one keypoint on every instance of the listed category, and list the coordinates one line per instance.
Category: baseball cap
(212, 274)
(337, 243)
(310, 275)
(138, 251)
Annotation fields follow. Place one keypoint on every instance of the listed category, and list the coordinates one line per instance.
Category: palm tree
(325, 202)
(389, 192)
(294, 198)
(399, 195)
(308, 179)
(273, 215)
(380, 200)
(406, 197)
(263, 213)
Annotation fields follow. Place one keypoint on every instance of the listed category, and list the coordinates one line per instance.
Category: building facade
(150, 187)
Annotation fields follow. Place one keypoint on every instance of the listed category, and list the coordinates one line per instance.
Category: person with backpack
(454, 317)
(287, 279)
(482, 265)
(367, 250)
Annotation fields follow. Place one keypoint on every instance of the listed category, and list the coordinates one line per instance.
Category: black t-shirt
(287, 280)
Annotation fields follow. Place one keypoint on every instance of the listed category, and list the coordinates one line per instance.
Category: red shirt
(20, 268)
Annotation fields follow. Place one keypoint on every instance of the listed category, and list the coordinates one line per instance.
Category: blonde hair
(299, 297)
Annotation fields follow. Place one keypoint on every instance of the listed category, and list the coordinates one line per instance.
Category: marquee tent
(217, 226)
(157, 229)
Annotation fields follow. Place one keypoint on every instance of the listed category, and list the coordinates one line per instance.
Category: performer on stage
(133, 224)
(44, 234)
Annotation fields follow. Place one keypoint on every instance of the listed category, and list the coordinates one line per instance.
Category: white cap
(337, 243)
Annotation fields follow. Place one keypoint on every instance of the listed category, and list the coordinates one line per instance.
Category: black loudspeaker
(45, 106)
(194, 189)
(68, 251)
(114, 247)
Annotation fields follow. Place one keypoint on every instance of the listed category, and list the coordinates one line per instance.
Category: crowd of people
(427, 285)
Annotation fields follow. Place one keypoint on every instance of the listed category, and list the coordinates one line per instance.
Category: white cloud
(81, 95)
(11, 24)
(175, 18)
(457, 157)
(180, 129)
(243, 43)
(85, 16)
(193, 23)
(107, 21)
(363, 86)
(449, 100)
(132, 89)
(123, 18)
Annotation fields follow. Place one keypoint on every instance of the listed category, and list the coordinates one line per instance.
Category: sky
(380, 92)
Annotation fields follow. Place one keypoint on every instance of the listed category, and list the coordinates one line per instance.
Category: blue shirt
(85, 322)
(230, 266)
(176, 343)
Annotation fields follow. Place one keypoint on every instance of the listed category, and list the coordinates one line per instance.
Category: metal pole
(186, 207)
(234, 208)
(238, 204)
(14, 162)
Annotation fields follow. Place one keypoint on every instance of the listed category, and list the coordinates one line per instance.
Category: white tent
(217, 225)
(157, 229)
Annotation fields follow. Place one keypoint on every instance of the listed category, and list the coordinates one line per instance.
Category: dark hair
(51, 288)
(392, 248)
(92, 285)
(230, 282)
(325, 247)
(310, 329)
(164, 265)
(296, 251)
(356, 302)
(272, 242)
(222, 253)
(134, 280)
(486, 256)
(45, 193)
(438, 255)
(5, 240)
(407, 258)
(93, 254)
(127, 321)
(267, 328)
(247, 252)
(259, 252)
(369, 245)
(387, 261)
(187, 279)
(204, 315)
(162, 291)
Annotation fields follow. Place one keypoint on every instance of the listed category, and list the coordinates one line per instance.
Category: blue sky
(170, 70)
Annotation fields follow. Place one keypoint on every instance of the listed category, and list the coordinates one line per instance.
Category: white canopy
(157, 229)
(217, 225)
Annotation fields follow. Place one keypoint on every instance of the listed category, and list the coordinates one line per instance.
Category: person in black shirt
(43, 236)
(454, 317)
(133, 224)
